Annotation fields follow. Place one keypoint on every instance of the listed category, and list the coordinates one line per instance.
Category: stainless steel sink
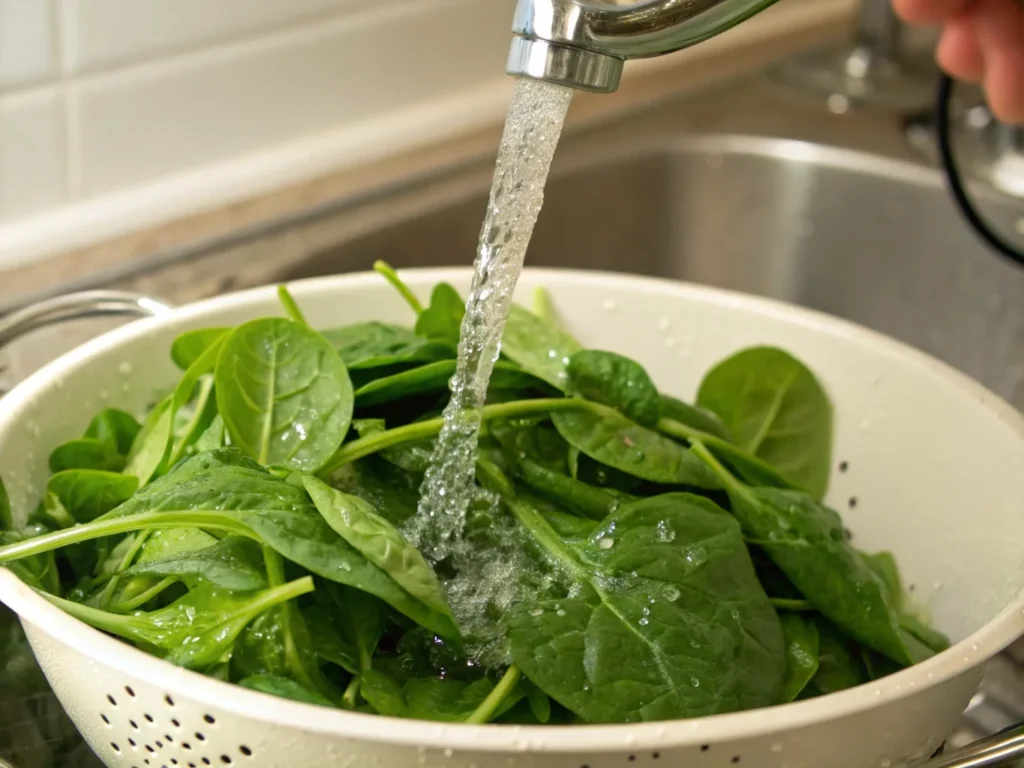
(870, 239)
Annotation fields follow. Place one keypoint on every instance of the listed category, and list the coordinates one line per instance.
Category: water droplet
(664, 324)
(560, 612)
(605, 543)
(125, 368)
(695, 682)
(666, 532)
(537, 612)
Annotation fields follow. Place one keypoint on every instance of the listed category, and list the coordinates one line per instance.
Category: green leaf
(433, 378)
(670, 621)
(283, 393)
(805, 539)
(801, 633)
(442, 319)
(89, 493)
(377, 345)
(615, 381)
(538, 346)
(610, 438)
(284, 688)
(380, 542)
(234, 563)
(383, 693)
(6, 514)
(191, 345)
(692, 416)
(146, 456)
(197, 630)
(839, 664)
(383, 485)
(280, 514)
(775, 409)
(115, 428)
(86, 453)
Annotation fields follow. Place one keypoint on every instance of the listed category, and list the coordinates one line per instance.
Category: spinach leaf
(612, 439)
(285, 689)
(149, 448)
(191, 345)
(283, 393)
(775, 409)
(692, 416)
(802, 655)
(86, 453)
(668, 601)
(89, 493)
(378, 345)
(6, 514)
(349, 626)
(115, 428)
(538, 346)
(431, 378)
(438, 699)
(234, 563)
(380, 542)
(581, 498)
(806, 540)
(195, 631)
(839, 665)
(383, 485)
(442, 319)
(383, 693)
(615, 381)
(282, 515)
(213, 437)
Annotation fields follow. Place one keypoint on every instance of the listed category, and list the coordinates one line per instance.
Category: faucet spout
(584, 44)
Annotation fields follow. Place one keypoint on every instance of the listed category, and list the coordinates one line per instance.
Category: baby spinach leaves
(615, 381)
(775, 409)
(283, 393)
(241, 530)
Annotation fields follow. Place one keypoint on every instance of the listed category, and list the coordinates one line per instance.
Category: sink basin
(852, 234)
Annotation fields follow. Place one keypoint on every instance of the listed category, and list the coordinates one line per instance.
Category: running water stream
(532, 130)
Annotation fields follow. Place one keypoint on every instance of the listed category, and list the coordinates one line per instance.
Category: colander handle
(1001, 750)
(77, 306)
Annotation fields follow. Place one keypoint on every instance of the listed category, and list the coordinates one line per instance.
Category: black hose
(954, 179)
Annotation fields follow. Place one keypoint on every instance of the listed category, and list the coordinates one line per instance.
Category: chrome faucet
(584, 44)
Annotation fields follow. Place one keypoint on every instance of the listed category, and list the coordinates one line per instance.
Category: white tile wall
(120, 114)
(27, 46)
(32, 154)
(175, 115)
(102, 32)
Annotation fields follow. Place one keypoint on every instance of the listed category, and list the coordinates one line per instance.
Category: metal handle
(74, 306)
(77, 306)
(1003, 749)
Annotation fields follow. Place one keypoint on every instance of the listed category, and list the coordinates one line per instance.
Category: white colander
(932, 469)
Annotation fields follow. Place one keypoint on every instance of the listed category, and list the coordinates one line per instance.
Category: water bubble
(605, 543)
(666, 532)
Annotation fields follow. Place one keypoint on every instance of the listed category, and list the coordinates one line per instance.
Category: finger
(959, 53)
(999, 30)
(930, 11)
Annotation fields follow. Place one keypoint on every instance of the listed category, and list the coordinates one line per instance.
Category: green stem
(387, 271)
(732, 485)
(492, 478)
(120, 625)
(292, 657)
(379, 441)
(129, 556)
(351, 695)
(489, 706)
(144, 597)
(784, 604)
(119, 525)
(680, 431)
(291, 308)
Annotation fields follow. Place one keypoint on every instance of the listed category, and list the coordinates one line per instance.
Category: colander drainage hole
(200, 737)
(129, 691)
(852, 503)
(169, 700)
(149, 718)
(116, 748)
(112, 700)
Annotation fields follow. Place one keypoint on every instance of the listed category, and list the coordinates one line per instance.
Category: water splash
(532, 129)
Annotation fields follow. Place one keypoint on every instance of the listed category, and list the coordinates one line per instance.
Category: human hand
(982, 42)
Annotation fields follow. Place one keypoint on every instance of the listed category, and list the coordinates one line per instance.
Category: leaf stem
(494, 479)
(291, 308)
(127, 524)
(489, 706)
(388, 273)
(126, 561)
(379, 441)
(351, 695)
(144, 597)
